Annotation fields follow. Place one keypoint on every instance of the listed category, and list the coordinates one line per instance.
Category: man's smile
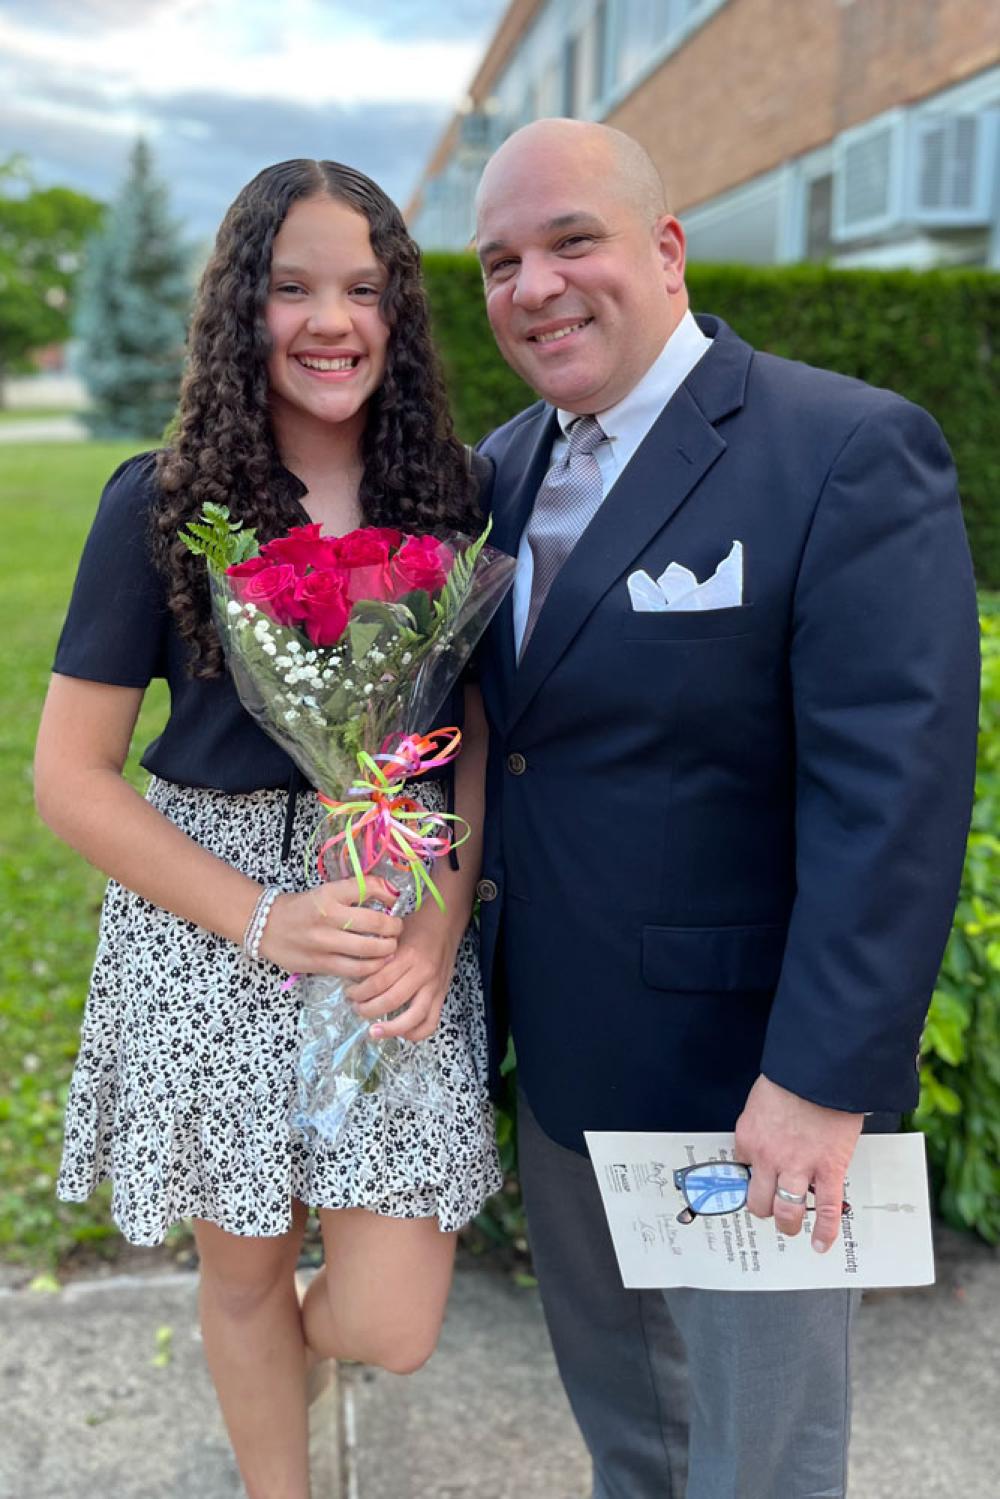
(555, 333)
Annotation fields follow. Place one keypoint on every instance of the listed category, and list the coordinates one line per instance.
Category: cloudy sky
(221, 88)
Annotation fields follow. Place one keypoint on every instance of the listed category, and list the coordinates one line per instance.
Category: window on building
(571, 102)
(644, 29)
(865, 177)
(549, 94)
(634, 39)
(947, 159)
(599, 50)
(819, 217)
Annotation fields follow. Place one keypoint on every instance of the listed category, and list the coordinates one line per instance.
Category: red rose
(302, 547)
(364, 554)
(367, 545)
(248, 568)
(421, 562)
(270, 587)
(372, 536)
(322, 605)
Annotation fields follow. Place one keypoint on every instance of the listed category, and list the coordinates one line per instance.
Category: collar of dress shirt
(627, 423)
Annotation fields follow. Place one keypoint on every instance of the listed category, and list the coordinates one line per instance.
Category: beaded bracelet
(254, 933)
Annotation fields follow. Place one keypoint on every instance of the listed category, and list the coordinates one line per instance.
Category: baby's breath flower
(291, 715)
(269, 648)
(293, 648)
(251, 609)
(368, 689)
(233, 607)
(407, 657)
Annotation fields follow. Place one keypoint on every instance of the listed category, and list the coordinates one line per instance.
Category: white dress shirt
(625, 426)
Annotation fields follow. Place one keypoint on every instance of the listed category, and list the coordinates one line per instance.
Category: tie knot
(584, 436)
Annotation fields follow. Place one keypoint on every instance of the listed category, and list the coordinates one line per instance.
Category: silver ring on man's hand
(797, 1198)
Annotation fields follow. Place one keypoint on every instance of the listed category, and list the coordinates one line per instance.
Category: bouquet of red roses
(343, 649)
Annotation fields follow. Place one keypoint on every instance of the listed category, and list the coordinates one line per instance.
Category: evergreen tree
(134, 299)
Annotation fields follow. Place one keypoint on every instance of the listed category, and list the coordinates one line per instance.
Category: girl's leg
(252, 1330)
(381, 1295)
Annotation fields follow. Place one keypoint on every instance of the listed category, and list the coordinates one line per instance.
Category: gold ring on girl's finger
(347, 925)
(319, 905)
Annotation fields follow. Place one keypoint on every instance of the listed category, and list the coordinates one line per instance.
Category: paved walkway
(103, 1392)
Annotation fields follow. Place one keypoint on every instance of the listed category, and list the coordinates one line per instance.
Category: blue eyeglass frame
(732, 1181)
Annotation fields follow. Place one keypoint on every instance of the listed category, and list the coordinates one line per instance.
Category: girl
(311, 394)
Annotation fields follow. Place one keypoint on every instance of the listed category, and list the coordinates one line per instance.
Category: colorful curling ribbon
(382, 822)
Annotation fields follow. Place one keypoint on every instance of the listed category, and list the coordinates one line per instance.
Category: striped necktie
(569, 497)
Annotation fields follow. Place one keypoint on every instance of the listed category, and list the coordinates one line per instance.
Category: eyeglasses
(713, 1188)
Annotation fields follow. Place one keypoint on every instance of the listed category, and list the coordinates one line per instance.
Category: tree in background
(42, 236)
(131, 317)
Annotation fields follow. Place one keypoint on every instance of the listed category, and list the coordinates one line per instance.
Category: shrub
(960, 1077)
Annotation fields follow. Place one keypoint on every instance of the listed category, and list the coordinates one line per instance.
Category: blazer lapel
(529, 452)
(680, 448)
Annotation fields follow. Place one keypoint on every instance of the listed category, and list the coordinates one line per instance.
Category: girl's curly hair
(416, 474)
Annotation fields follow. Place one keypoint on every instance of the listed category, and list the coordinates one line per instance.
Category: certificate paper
(885, 1239)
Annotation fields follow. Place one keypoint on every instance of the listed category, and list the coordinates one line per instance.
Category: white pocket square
(678, 590)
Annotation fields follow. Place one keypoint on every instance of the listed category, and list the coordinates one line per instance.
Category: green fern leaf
(221, 541)
(455, 590)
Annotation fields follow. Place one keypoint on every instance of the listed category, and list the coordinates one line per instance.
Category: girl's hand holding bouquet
(302, 929)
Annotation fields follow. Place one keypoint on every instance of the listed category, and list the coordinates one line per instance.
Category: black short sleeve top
(119, 630)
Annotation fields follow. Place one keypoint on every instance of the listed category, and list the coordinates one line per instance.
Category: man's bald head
(583, 267)
(619, 160)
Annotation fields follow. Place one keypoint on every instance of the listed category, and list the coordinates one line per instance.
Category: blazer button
(487, 890)
(516, 764)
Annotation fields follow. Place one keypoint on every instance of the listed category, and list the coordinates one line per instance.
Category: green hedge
(934, 336)
(960, 1094)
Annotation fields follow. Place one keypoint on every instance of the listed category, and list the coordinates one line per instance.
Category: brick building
(861, 132)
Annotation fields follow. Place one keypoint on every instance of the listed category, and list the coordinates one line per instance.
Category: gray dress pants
(683, 1394)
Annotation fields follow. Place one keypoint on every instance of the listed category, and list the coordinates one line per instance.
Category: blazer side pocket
(712, 959)
(688, 624)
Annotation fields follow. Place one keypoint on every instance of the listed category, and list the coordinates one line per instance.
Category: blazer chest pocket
(688, 624)
(712, 959)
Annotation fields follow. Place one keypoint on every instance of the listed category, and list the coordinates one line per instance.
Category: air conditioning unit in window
(869, 177)
(955, 166)
(936, 171)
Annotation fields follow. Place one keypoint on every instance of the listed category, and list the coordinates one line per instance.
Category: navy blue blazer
(730, 842)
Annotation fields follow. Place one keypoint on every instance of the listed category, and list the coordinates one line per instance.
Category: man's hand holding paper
(795, 1145)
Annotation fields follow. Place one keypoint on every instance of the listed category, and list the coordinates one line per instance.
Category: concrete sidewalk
(103, 1392)
(44, 429)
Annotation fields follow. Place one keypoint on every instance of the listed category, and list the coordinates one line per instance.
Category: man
(723, 843)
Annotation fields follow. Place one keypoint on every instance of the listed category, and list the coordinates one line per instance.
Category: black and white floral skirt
(185, 1080)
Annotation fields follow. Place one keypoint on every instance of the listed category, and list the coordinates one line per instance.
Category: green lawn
(49, 896)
